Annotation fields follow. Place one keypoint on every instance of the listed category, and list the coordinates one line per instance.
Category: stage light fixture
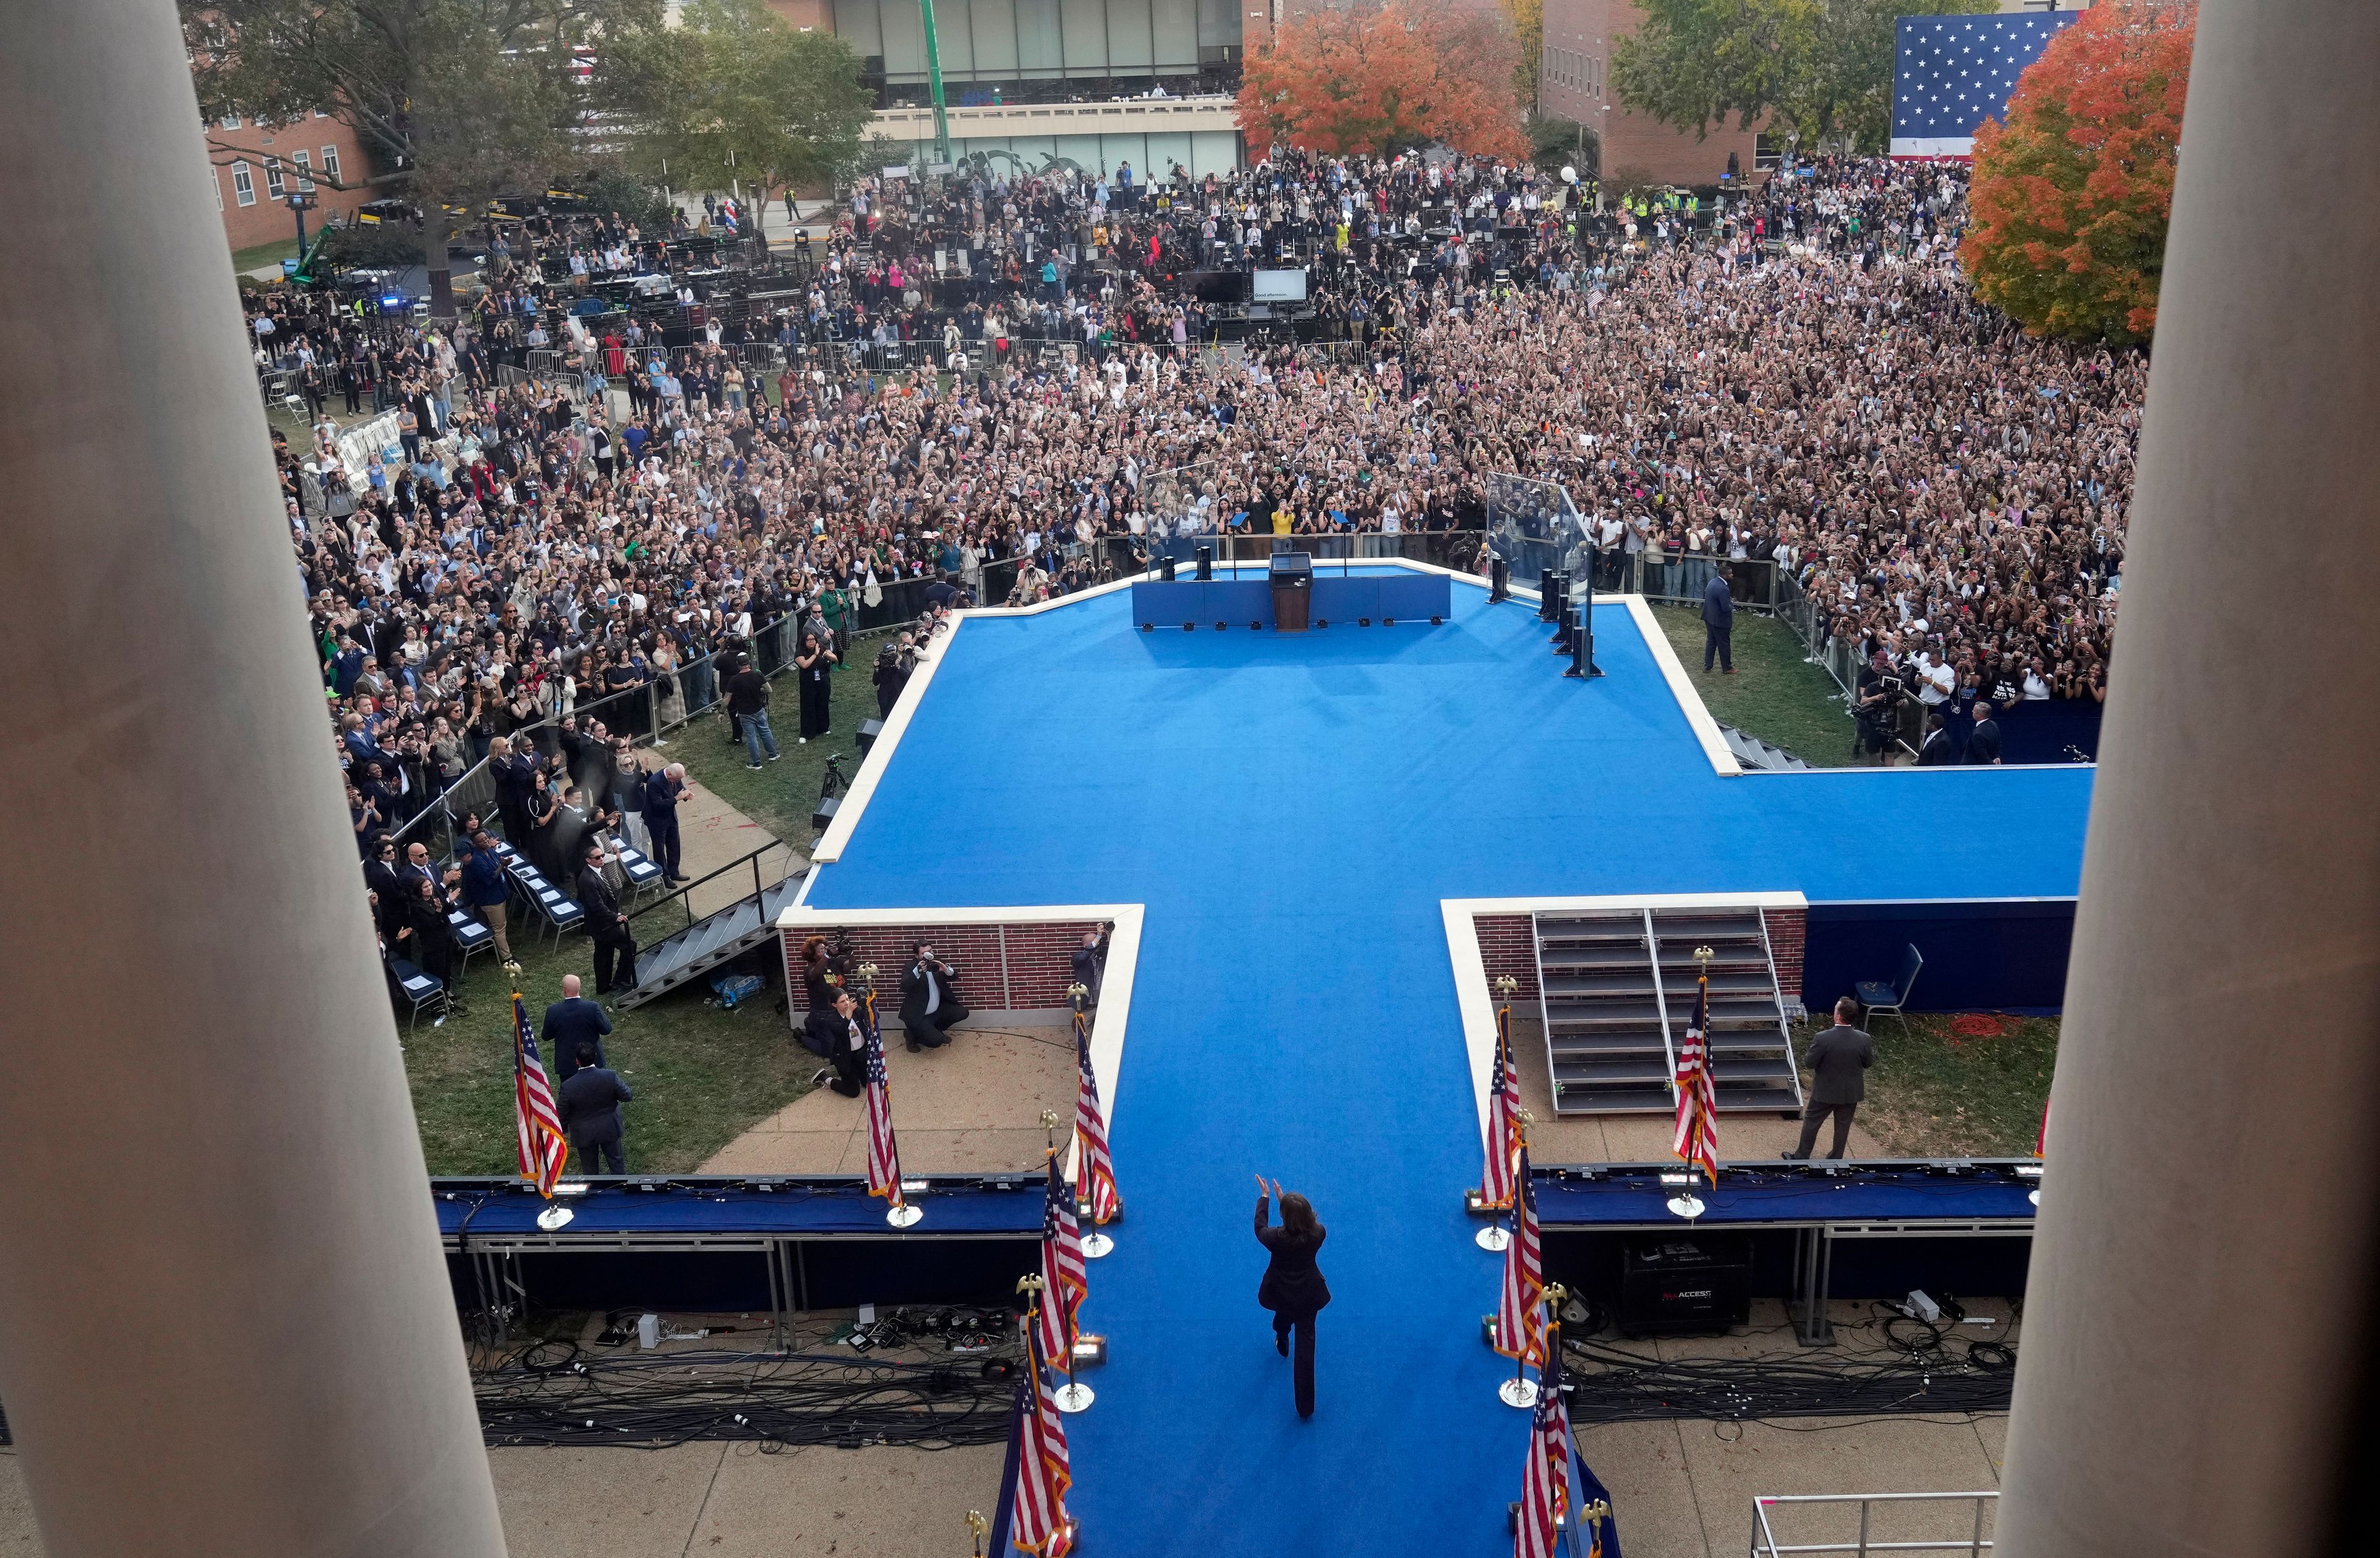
(825, 814)
(1218, 627)
(1436, 620)
(1189, 627)
(1256, 626)
(1388, 622)
(1321, 621)
(1363, 622)
(1149, 628)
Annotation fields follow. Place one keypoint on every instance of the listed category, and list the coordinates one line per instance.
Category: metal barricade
(1874, 1510)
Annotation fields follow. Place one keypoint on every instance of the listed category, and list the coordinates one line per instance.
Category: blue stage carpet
(1291, 811)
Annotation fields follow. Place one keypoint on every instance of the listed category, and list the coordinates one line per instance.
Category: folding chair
(471, 937)
(1877, 996)
(418, 990)
(643, 875)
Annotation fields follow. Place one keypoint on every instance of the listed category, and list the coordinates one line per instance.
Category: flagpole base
(1072, 1397)
(555, 1217)
(1096, 1245)
(904, 1216)
(1687, 1205)
(1517, 1391)
(1494, 1237)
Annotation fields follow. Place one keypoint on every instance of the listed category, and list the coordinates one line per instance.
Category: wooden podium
(1292, 575)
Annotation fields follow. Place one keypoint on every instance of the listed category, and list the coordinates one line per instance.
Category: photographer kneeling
(929, 1000)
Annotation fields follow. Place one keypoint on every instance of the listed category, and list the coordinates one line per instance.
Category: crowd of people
(1794, 372)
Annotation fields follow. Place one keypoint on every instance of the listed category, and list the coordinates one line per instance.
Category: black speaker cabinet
(1674, 1284)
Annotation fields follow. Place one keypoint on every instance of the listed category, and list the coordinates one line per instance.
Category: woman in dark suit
(1292, 1286)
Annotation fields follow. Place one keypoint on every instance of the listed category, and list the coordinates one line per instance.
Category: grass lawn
(781, 796)
(1775, 694)
(1937, 1093)
(263, 254)
(700, 1075)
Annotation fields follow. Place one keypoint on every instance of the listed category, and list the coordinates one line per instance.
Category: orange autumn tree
(2071, 197)
(1383, 81)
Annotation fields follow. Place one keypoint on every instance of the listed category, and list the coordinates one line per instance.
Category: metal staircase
(1616, 990)
(707, 942)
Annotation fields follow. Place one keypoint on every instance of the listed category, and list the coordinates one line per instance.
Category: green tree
(1823, 69)
(456, 101)
(731, 97)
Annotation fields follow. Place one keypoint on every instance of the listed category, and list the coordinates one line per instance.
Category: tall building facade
(255, 167)
(1041, 78)
(1574, 82)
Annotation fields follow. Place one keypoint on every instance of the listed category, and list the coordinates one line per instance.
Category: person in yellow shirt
(1281, 518)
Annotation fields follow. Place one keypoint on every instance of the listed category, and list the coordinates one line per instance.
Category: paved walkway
(974, 1107)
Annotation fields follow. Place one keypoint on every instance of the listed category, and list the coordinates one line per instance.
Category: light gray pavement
(971, 1107)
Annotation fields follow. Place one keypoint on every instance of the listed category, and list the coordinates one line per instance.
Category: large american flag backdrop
(1950, 74)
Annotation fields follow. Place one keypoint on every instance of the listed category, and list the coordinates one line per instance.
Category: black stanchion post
(1582, 642)
(1548, 593)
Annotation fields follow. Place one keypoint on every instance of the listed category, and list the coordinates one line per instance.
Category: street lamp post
(299, 202)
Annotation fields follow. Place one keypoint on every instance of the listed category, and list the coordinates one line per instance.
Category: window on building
(305, 166)
(1767, 150)
(331, 160)
(231, 121)
(273, 176)
(243, 184)
(320, 114)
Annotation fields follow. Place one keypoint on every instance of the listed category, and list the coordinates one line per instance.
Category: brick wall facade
(1574, 81)
(1021, 966)
(244, 159)
(1507, 946)
(1788, 933)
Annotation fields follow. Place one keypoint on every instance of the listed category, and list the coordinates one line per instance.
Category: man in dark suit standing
(929, 1002)
(590, 1106)
(572, 1024)
(1838, 1061)
(663, 791)
(616, 945)
(1983, 741)
(1718, 624)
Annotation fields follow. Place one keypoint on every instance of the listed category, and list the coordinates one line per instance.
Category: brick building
(253, 166)
(1574, 82)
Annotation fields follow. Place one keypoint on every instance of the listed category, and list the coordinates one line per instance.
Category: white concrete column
(2200, 1319)
(224, 1328)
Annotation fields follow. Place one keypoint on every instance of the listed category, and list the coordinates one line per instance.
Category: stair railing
(682, 896)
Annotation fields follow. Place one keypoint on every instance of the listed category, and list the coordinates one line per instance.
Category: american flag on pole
(1063, 1284)
(1952, 73)
(883, 1152)
(1696, 1140)
(1545, 1482)
(1040, 1524)
(1520, 1313)
(542, 1145)
(1503, 1106)
(1094, 1173)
